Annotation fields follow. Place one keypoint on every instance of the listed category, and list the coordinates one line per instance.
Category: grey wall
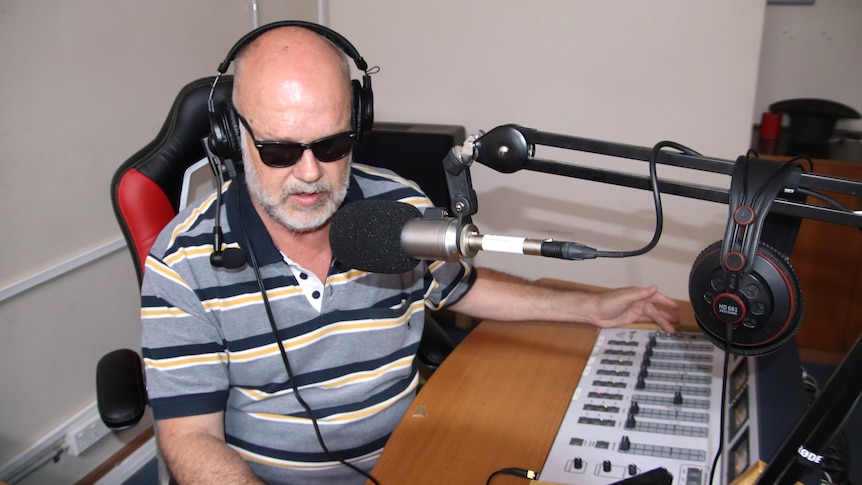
(638, 74)
(812, 52)
(85, 84)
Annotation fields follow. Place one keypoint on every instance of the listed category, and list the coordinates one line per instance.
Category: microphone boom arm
(509, 148)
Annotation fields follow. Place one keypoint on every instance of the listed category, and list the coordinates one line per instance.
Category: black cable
(283, 352)
(722, 409)
(517, 472)
(659, 214)
(828, 200)
(825, 198)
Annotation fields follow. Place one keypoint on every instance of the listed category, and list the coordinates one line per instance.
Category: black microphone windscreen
(229, 258)
(366, 235)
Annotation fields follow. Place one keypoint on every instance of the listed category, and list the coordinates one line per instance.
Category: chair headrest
(146, 188)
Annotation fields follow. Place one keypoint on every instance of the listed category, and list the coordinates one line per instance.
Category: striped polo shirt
(350, 341)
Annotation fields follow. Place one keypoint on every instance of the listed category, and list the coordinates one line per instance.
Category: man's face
(294, 88)
(303, 197)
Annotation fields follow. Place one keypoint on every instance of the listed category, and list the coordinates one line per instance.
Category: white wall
(85, 85)
(636, 73)
(812, 52)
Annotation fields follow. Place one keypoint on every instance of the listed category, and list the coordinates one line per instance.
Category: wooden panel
(828, 261)
(475, 416)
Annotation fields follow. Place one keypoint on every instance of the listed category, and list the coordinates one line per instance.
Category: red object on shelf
(770, 130)
(770, 125)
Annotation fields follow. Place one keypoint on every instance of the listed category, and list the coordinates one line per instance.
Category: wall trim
(71, 264)
(46, 448)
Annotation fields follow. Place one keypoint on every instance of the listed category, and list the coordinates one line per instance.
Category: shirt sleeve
(448, 282)
(182, 346)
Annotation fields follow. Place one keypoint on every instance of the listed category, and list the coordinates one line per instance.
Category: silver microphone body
(440, 240)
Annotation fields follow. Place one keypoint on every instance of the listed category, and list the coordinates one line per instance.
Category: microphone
(227, 258)
(382, 236)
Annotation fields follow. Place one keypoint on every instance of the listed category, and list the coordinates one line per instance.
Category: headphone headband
(224, 139)
(754, 184)
(325, 32)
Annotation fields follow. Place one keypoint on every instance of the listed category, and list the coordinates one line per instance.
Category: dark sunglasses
(282, 154)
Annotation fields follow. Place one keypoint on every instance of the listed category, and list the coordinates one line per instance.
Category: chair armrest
(435, 344)
(121, 395)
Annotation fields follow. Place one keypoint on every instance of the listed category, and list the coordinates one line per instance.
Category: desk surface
(496, 402)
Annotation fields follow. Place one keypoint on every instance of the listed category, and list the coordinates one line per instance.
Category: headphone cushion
(362, 109)
(224, 129)
(768, 301)
(356, 108)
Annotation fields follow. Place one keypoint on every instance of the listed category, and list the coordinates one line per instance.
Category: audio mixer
(648, 399)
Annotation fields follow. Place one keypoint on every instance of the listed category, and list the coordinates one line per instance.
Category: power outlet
(86, 435)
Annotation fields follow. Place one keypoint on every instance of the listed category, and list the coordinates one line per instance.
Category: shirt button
(303, 276)
(315, 295)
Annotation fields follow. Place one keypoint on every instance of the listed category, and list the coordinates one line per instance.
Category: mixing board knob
(634, 408)
(630, 422)
(677, 398)
(606, 466)
(633, 469)
(641, 383)
(625, 443)
(578, 463)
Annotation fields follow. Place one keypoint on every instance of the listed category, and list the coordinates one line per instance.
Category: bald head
(292, 76)
(292, 85)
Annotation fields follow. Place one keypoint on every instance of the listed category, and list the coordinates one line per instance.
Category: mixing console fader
(649, 399)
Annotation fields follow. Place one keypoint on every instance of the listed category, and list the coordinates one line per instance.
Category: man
(231, 407)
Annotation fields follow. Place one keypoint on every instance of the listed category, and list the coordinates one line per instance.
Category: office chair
(147, 191)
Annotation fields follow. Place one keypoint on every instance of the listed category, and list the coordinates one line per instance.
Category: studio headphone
(746, 296)
(224, 141)
(224, 124)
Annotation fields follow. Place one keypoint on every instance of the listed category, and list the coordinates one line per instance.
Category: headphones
(224, 140)
(746, 296)
(224, 137)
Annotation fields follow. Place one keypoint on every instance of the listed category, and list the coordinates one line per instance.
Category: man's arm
(499, 296)
(195, 451)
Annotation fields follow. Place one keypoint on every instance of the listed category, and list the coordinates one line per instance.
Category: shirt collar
(242, 214)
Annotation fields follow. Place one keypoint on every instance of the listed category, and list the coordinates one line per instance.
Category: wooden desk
(496, 402)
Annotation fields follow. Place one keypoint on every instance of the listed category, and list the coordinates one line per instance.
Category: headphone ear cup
(761, 313)
(363, 107)
(224, 133)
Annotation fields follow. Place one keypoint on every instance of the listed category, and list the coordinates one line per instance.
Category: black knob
(625, 443)
(634, 408)
(578, 463)
(630, 422)
(677, 398)
(606, 465)
(633, 469)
